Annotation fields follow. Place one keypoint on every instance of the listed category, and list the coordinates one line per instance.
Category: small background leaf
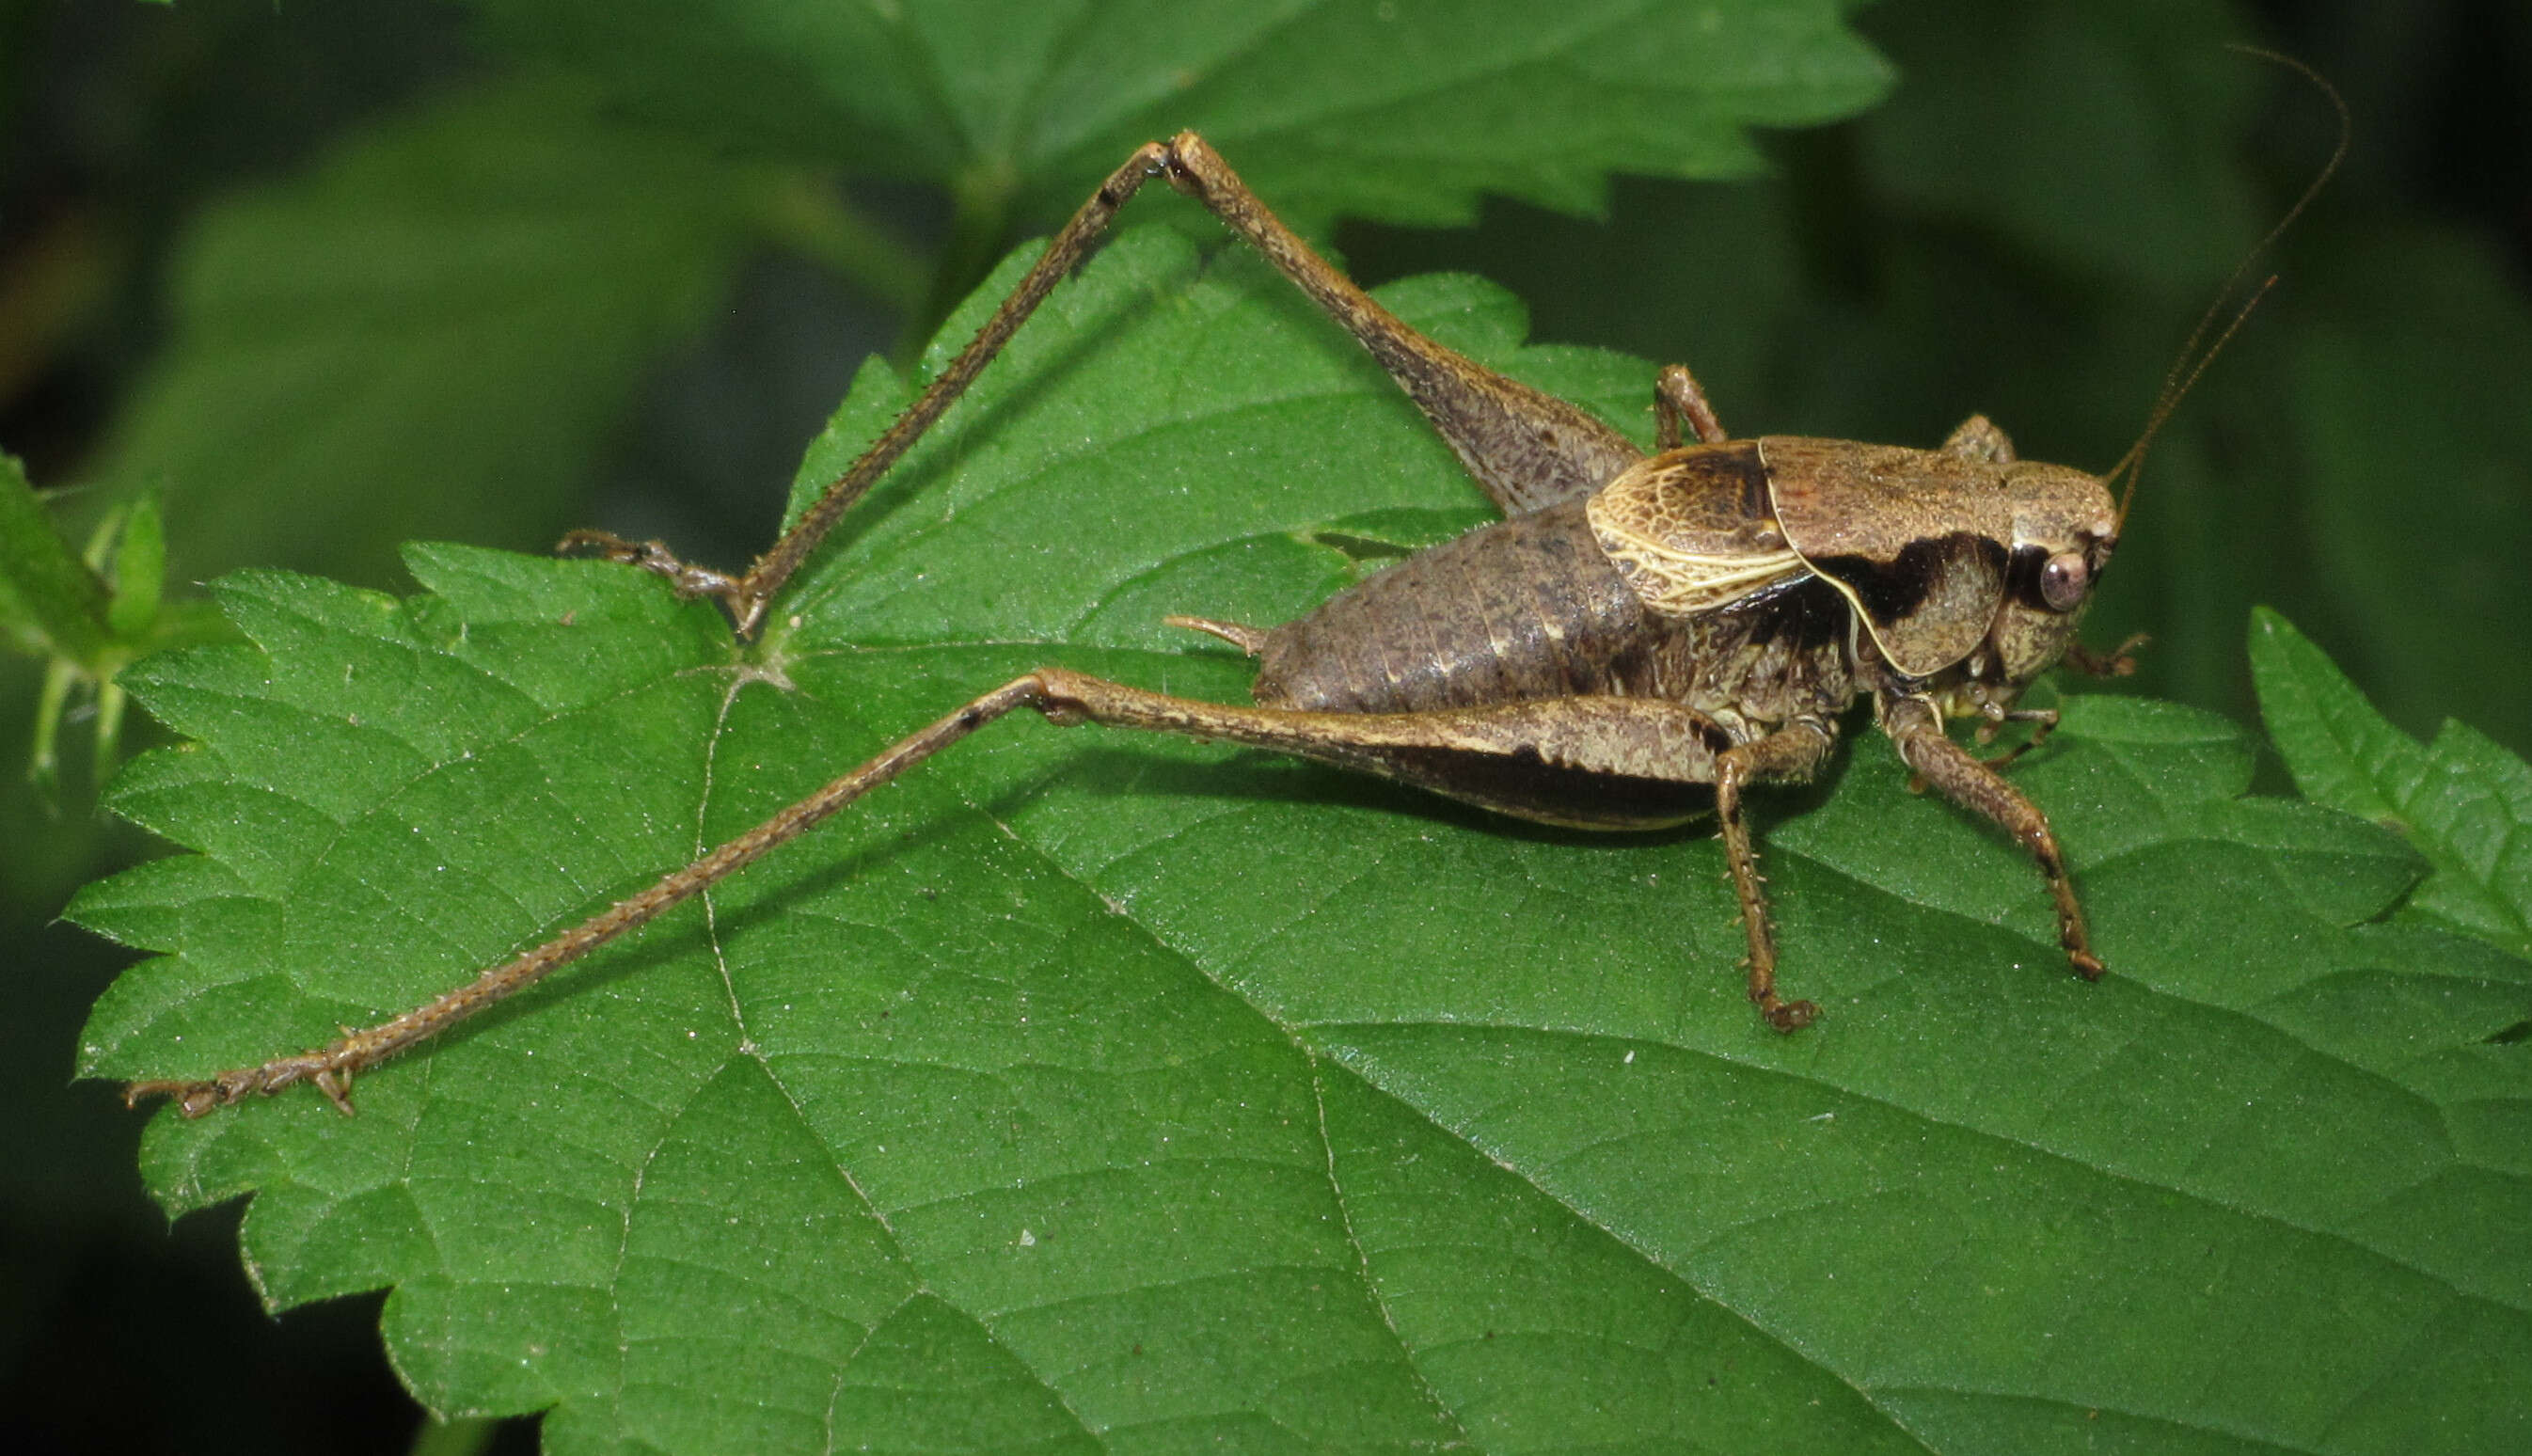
(139, 569)
(1166, 1095)
(430, 334)
(50, 602)
(2463, 801)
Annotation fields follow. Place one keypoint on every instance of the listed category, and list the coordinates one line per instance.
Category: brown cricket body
(1539, 607)
(1681, 580)
(1637, 641)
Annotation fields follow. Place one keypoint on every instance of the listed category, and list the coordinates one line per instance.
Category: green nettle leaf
(429, 333)
(1404, 112)
(54, 606)
(1088, 1090)
(2463, 801)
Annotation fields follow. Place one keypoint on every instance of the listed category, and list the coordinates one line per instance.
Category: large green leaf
(1084, 1090)
(2463, 801)
(1400, 111)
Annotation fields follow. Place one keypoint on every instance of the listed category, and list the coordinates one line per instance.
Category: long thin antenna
(2192, 361)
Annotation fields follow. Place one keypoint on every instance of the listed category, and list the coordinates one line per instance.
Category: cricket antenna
(2192, 360)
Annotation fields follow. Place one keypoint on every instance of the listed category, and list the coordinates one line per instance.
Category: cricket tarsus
(1636, 644)
(652, 556)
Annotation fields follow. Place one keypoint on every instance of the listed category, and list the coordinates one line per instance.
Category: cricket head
(2065, 525)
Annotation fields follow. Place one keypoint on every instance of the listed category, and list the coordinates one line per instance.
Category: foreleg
(2043, 720)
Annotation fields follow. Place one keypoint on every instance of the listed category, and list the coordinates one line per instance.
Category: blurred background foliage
(325, 278)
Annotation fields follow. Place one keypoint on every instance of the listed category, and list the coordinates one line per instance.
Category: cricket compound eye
(2064, 581)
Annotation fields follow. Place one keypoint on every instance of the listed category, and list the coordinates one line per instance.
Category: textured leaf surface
(2463, 801)
(1084, 1092)
(1402, 113)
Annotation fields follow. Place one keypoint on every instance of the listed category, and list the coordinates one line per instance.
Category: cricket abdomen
(1521, 609)
(1532, 609)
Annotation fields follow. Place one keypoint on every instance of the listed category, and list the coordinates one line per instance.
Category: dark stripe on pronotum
(1891, 590)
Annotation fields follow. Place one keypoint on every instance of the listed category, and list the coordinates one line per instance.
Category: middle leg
(1790, 752)
(1916, 727)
